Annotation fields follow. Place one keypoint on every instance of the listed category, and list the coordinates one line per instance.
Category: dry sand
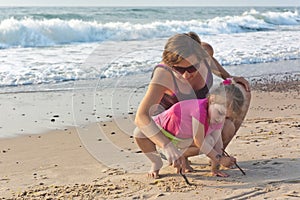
(101, 161)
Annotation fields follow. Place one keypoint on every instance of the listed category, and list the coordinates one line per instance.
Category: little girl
(195, 126)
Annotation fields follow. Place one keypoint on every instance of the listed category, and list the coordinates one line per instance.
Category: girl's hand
(174, 157)
(227, 161)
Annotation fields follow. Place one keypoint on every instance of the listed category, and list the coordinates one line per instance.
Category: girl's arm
(217, 135)
(219, 148)
(207, 144)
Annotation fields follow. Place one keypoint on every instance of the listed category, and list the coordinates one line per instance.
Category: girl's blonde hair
(230, 96)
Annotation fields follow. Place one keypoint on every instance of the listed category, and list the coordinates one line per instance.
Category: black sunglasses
(189, 69)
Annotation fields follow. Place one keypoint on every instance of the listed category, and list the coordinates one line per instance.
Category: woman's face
(188, 67)
(216, 113)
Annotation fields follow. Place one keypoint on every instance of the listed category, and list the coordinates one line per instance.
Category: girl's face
(216, 113)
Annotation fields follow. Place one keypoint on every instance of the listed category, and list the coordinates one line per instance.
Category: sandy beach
(98, 159)
(72, 76)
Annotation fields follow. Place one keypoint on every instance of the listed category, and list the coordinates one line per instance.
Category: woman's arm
(216, 67)
(219, 71)
(161, 83)
(143, 118)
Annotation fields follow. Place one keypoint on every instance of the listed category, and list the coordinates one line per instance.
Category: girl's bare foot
(153, 174)
(154, 171)
(188, 167)
(219, 173)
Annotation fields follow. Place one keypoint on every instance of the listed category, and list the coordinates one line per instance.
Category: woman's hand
(243, 81)
(227, 161)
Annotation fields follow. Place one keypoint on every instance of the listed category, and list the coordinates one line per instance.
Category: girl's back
(178, 118)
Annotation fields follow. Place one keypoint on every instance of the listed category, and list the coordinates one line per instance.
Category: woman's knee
(247, 96)
(228, 129)
(239, 118)
(137, 133)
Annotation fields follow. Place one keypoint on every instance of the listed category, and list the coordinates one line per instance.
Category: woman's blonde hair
(181, 46)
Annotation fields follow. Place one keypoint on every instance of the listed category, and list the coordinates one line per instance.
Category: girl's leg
(188, 149)
(189, 152)
(149, 149)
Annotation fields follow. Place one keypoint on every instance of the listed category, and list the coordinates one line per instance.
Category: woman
(184, 73)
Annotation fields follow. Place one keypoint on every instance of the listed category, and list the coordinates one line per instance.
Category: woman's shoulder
(162, 74)
(161, 68)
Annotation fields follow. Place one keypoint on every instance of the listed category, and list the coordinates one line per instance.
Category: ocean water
(45, 46)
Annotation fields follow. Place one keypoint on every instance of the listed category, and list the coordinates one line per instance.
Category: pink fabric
(178, 119)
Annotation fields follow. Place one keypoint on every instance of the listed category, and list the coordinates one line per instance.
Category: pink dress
(177, 120)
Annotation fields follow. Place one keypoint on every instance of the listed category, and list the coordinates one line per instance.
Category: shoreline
(101, 160)
(85, 102)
